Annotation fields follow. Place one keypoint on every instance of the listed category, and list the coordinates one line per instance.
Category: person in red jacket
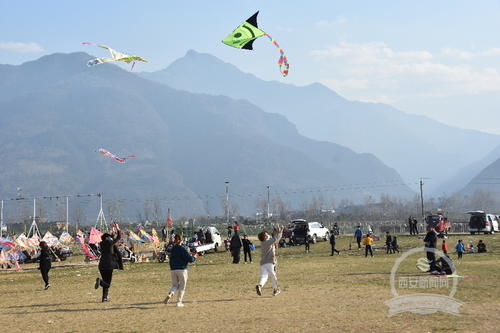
(444, 247)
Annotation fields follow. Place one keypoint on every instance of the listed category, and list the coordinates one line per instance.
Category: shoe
(106, 300)
(47, 286)
(180, 304)
(258, 289)
(97, 283)
(169, 296)
(276, 291)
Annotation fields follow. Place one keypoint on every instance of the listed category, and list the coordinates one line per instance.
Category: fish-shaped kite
(115, 56)
(107, 153)
(244, 35)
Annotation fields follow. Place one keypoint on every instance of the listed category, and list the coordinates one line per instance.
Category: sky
(435, 58)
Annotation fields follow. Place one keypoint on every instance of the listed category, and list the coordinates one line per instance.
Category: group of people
(461, 248)
(391, 243)
(180, 258)
(413, 224)
(333, 241)
(235, 245)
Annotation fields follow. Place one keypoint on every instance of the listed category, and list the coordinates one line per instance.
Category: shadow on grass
(132, 306)
(38, 305)
(83, 310)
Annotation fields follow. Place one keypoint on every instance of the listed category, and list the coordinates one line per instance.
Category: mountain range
(416, 146)
(56, 114)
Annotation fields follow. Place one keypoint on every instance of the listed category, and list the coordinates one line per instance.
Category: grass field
(344, 293)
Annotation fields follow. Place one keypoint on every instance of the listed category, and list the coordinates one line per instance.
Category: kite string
(283, 61)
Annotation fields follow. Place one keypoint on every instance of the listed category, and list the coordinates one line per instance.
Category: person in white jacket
(268, 260)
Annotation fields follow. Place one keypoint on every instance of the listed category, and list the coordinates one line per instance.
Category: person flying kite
(244, 35)
(113, 156)
(115, 56)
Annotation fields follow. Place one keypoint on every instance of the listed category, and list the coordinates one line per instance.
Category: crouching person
(268, 260)
(179, 260)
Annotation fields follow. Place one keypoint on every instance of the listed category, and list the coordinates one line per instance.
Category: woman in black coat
(110, 259)
(45, 263)
(235, 248)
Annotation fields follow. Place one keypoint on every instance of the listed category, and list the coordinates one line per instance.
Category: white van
(302, 228)
(213, 241)
(482, 222)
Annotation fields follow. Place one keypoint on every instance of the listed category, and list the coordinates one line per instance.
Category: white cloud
(467, 55)
(376, 72)
(322, 24)
(20, 47)
(456, 53)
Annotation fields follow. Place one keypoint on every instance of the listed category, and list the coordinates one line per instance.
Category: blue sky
(436, 58)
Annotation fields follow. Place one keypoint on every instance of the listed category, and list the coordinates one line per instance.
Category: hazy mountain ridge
(57, 112)
(414, 145)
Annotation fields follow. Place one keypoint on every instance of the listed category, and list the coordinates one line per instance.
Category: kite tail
(133, 64)
(283, 61)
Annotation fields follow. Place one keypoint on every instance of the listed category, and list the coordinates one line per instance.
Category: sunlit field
(342, 293)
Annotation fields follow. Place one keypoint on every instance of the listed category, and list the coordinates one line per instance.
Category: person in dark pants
(45, 263)
(358, 234)
(415, 226)
(235, 247)
(333, 242)
(410, 224)
(308, 242)
(246, 248)
(430, 241)
(460, 248)
(388, 243)
(110, 260)
(395, 245)
(368, 241)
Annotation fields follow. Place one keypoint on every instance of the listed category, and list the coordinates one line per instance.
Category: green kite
(246, 33)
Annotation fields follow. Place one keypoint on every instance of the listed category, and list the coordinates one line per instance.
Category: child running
(179, 260)
(268, 260)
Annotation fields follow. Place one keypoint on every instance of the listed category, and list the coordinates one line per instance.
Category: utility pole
(422, 197)
(67, 214)
(1, 220)
(226, 206)
(268, 201)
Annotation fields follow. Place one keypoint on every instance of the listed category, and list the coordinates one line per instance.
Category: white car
(483, 222)
(302, 228)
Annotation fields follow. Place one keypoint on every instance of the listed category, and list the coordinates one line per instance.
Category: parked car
(483, 222)
(302, 228)
(213, 241)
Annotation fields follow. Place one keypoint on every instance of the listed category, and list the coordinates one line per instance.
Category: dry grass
(320, 293)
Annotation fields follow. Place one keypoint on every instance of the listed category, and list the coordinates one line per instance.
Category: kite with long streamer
(115, 56)
(109, 154)
(246, 33)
